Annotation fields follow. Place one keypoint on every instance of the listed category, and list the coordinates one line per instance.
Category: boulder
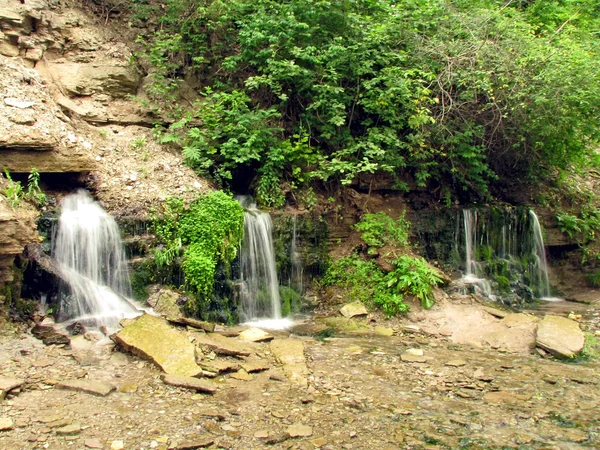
(154, 339)
(560, 336)
(79, 79)
(353, 309)
(165, 302)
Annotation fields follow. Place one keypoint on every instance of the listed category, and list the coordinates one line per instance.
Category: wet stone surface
(360, 393)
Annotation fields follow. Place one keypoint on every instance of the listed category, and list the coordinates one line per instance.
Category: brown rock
(192, 383)
(222, 345)
(90, 387)
(560, 336)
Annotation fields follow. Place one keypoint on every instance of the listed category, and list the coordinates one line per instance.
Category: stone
(7, 49)
(198, 324)
(90, 387)
(350, 310)
(290, 353)
(166, 303)
(383, 331)
(299, 430)
(117, 445)
(495, 312)
(93, 443)
(60, 423)
(499, 397)
(6, 424)
(192, 383)
(261, 434)
(407, 357)
(194, 443)
(277, 438)
(154, 339)
(242, 375)
(16, 103)
(255, 335)
(560, 336)
(222, 345)
(69, 430)
(255, 365)
(218, 366)
(49, 162)
(456, 363)
(8, 384)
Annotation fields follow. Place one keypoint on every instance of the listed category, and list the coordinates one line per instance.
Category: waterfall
(540, 261)
(507, 247)
(473, 275)
(91, 261)
(259, 293)
(297, 273)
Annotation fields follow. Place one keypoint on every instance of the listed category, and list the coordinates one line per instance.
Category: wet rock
(290, 353)
(166, 303)
(154, 339)
(354, 309)
(222, 345)
(90, 387)
(560, 336)
(255, 335)
(192, 383)
(76, 328)
(49, 335)
(6, 424)
(299, 430)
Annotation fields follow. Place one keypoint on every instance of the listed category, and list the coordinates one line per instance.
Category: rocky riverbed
(392, 385)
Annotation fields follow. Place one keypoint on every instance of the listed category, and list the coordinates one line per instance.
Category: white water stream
(259, 292)
(90, 257)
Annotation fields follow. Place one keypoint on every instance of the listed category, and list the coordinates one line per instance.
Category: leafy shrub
(14, 190)
(379, 230)
(209, 231)
(414, 276)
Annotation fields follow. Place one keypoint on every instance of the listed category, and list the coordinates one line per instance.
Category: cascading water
(297, 273)
(259, 293)
(91, 261)
(506, 247)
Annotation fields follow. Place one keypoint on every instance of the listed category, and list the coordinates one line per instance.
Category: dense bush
(208, 232)
(457, 93)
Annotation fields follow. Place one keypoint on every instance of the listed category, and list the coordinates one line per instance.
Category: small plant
(379, 230)
(13, 190)
(414, 276)
(34, 193)
(138, 143)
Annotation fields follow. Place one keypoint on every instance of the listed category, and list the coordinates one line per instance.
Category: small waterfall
(297, 274)
(91, 261)
(473, 273)
(505, 246)
(540, 261)
(259, 293)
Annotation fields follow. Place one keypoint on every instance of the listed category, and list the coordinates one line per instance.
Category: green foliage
(209, 231)
(379, 229)
(413, 275)
(14, 190)
(365, 282)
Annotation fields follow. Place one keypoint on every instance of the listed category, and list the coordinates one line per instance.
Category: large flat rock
(290, 353)
(154, 339)
(560, 336)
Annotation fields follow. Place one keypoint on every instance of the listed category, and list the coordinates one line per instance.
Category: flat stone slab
(152, 338)
(219, 366)
(198, 324)
(350, 310)
(495, 312)
(299, 430)
(383, 331)
(242, 375)
(560, 336)
(192, 383)
(255, 365)
(89, 387)
(255, 335)
(6, 424)
(222, 345)
(7, 384)
(195, 443)
(290, 353)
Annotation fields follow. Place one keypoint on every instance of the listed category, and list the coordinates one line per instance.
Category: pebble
(6, 423)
